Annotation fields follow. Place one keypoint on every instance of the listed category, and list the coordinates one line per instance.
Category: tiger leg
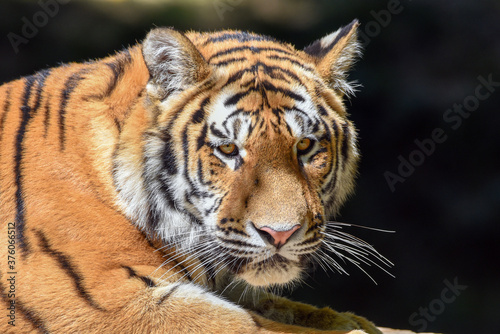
(287, 311)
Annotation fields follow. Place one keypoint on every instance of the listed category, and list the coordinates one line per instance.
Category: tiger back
(148, 191)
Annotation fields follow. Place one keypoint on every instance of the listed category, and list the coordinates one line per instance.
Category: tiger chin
(164, 189)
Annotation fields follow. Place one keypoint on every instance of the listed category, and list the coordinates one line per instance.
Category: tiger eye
(228, 148)
(304, 144)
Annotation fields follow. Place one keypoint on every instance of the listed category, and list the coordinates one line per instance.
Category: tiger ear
(334, 55)
(174, 63)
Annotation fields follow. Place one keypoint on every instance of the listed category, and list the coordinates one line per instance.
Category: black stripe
(321, 150)
(169, 158)
(201, 139)
(194, 191)
(327, 135)
(291, 60)
(345, 144)
(236, 128)
(270, 87)
(153, 214)
(240, 36)
(286, 71)
(41, 77)
(252, 126)
(315, 126)
(238, 96)
(322, 110)
(20, 205)
(230, 260)
(46, 120)
(310, 240)
(117, 66)
(132, 274)
(249, 48)
(231, 115)
(6, 109)
(27, 313)
(117, 124)
(217, 132)
(185, 149)
(229, 61)
(66, 265)
(228, 230)
(199, 114)
(32, 317)
(167, 295)
(200, 174)
(216, 205)
(238, 162)
(69, 87)
(329, 187)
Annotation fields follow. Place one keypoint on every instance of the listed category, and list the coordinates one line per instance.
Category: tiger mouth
(275, 262)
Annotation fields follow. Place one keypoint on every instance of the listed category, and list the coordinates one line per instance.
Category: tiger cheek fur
(141, 186)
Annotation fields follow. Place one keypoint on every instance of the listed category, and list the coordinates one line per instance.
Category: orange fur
(78, 146)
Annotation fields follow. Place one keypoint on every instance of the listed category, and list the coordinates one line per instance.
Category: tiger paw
(286, 311)
(326, 318)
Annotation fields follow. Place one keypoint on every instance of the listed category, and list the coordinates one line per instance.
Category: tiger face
(247, 149)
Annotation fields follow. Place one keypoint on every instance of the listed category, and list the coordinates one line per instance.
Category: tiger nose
(277, 238)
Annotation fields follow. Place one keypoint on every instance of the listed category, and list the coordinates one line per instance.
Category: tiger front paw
(286, 311)
(326, 318)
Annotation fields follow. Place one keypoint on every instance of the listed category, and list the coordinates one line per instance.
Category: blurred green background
(421, 58)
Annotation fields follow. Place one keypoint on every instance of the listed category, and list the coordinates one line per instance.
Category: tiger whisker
(348, 248)
(190, 255)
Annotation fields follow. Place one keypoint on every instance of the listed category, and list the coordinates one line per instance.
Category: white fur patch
(328, 39)
(190, 293)
(223, 120)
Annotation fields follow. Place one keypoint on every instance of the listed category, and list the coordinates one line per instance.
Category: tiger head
(247, 149)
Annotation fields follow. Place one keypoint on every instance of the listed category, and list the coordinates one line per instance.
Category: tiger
(177, 185)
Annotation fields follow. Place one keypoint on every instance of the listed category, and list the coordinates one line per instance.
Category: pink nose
(279, 238)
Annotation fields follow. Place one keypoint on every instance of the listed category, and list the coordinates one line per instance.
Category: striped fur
(125, 213)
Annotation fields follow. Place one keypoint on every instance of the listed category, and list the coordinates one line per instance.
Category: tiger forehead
(231, 47)
(251, 119)
(266, 87)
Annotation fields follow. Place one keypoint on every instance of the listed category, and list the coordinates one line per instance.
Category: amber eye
(229, 149)
(303, 145)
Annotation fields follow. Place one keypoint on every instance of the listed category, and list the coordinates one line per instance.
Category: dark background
(418, 62)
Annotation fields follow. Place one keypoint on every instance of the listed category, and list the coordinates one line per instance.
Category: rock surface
(399, 331)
